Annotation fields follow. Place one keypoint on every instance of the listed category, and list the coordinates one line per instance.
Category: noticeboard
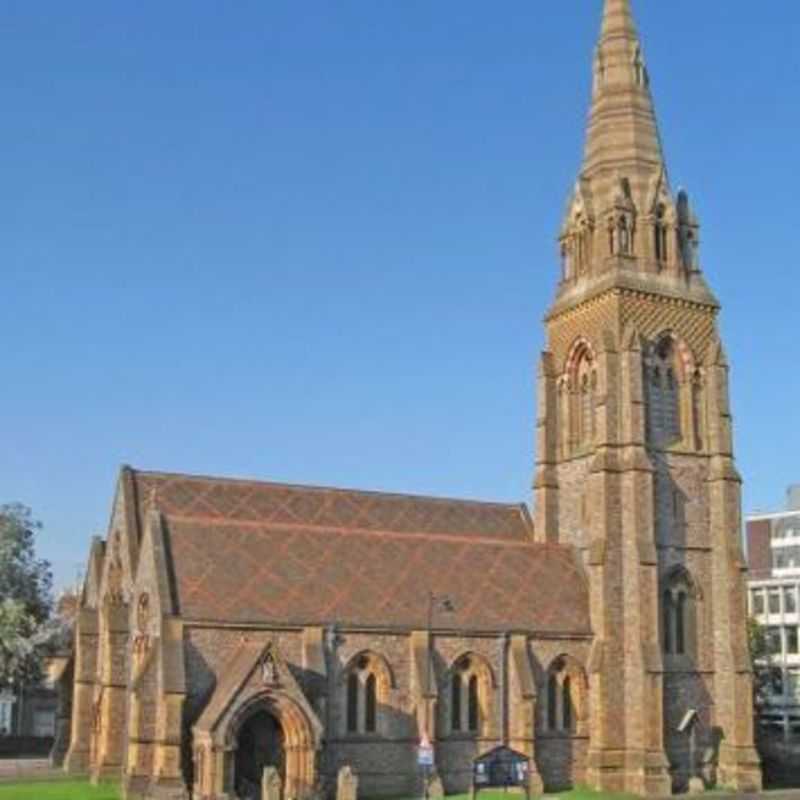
(500, 768)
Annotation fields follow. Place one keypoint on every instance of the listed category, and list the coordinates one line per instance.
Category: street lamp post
(446, 605)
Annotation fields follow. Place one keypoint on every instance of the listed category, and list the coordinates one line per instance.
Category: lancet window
(470, 695)
(679, 614)
(663, 394)
(576, 248)
(566, 697)
(660, 235)
(367, 681)
(584, 400)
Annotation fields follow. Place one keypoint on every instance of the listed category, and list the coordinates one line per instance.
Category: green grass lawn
(57, 790)
(78, 790)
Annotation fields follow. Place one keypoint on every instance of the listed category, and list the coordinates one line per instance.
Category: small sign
(425, 755)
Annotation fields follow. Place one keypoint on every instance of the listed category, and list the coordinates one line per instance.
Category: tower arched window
(697, 410)
(584, 381)
(679, 614)
(367, 683)
(663, 395)
(623, 236)
(470, 695)
(667, 615)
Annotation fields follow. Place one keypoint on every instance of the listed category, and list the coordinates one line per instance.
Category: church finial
(618, 19)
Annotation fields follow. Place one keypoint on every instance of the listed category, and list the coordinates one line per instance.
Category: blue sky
(314, 242)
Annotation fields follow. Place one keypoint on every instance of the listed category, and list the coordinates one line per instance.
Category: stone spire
(624, 227)
(623, 132)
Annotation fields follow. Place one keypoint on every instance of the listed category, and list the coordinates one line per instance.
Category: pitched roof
(246, 551)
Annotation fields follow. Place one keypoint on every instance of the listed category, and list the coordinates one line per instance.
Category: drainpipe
(332, 661)
(502, 643)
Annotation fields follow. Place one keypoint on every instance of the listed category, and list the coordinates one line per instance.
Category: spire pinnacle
(622, 133)
(617, 19)
(623, 226)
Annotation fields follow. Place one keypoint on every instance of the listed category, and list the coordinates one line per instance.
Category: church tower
(635, 462)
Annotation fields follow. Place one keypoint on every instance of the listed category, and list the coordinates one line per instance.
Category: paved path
(13, 769)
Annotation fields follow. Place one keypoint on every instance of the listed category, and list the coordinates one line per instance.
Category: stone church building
(228, 625)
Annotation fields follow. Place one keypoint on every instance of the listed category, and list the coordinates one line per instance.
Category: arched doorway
(260, 744)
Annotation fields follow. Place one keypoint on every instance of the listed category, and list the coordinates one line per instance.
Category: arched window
(455, 702)
(566, 697)
(679, 614)
(586, 410)
(552, 703)
(663, 395)
(371, 702)
(582, 380)
(697, 409)
(352, 703)
(470, 695)
(680, 624)
(566, 702)
(623, 236)
(667, 621)
(368, 681)
(472, 709)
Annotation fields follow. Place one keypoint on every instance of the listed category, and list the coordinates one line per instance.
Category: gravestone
(347, 785)
(271, 788)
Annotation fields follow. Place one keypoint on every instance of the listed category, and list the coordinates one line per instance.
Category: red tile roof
(246, 551)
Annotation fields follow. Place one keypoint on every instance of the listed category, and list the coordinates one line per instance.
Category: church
(231, 625)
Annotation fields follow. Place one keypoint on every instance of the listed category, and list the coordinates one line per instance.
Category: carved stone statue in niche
(269, 672)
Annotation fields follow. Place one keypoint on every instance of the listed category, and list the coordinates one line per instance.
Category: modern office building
(773, 544)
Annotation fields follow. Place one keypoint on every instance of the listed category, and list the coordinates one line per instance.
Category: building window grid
(783, 640)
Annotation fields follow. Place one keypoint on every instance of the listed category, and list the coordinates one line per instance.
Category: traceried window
(367, 681)
(565, 697)
(576, 418)
(585, 401)
(470, 695)
(663, 395)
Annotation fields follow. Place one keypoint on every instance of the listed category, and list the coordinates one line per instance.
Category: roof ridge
(342, 530)
(521, 507)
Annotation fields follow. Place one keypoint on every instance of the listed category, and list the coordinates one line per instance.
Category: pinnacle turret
(623, 224)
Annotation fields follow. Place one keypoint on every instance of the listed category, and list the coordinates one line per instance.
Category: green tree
(26, 597)
(767, 678)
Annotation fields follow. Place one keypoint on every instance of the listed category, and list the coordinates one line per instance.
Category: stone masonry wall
(386, 760)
